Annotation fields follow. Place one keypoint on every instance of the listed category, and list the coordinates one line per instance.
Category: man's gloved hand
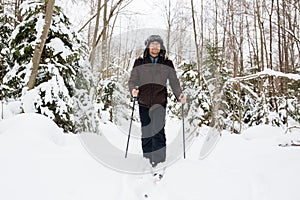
(135, 92)
(182, 99)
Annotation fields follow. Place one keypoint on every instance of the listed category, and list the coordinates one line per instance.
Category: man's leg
(146, 132)
(158, 116)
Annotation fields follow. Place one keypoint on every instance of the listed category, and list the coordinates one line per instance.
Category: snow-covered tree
(114, 94)
(214, 74)
(199, 112)
(59, 65)
(198, 109)
(86, 107)
(6, 28)
(246, 107)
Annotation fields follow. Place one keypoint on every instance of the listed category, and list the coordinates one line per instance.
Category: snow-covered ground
(38, 161)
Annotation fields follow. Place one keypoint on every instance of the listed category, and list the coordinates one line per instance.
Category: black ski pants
(153, 133)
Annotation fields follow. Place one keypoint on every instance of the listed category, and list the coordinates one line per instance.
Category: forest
(238, 60)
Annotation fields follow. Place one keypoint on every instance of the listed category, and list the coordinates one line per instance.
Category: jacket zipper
(151, 96)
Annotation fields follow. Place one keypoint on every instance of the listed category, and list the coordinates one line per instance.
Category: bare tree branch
(98, 10)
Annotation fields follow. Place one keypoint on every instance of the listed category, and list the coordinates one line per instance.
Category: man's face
(154, 48)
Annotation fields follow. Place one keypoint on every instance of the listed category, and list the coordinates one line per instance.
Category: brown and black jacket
(151, 78)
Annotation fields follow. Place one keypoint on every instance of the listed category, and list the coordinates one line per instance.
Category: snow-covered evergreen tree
(245, 107)
(214, 75)
(6, 28)
(55, 85)
(115, 96)
(198, 110)
(293, 108)
(86, 108)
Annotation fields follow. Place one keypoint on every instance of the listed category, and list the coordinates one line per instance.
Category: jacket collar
(148, 60)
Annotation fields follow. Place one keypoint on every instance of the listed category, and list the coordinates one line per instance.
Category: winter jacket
(151, 78)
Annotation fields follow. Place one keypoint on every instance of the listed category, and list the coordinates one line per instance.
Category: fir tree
(198, 111)
(6, 29)
(114, 94)
(55, 86)
(214, 75)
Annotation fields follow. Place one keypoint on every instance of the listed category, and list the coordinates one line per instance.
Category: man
(151, 73)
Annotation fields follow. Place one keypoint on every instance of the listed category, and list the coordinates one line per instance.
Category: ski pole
(183, 134)
(134, 99)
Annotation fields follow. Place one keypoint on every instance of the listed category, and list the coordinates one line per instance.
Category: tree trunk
(241, 50)
(279, 43)
(92, 56)
(216, 97)
(270, 65)
(1, 7)
(232, 39)
(169, 26)
(257, 55)
(17, 11)
(196, 43)
(104, 64)
(40, 46)
(285, 47)
(202, 43)
(111, 36)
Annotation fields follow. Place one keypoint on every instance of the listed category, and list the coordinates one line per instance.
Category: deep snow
(39, 161)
